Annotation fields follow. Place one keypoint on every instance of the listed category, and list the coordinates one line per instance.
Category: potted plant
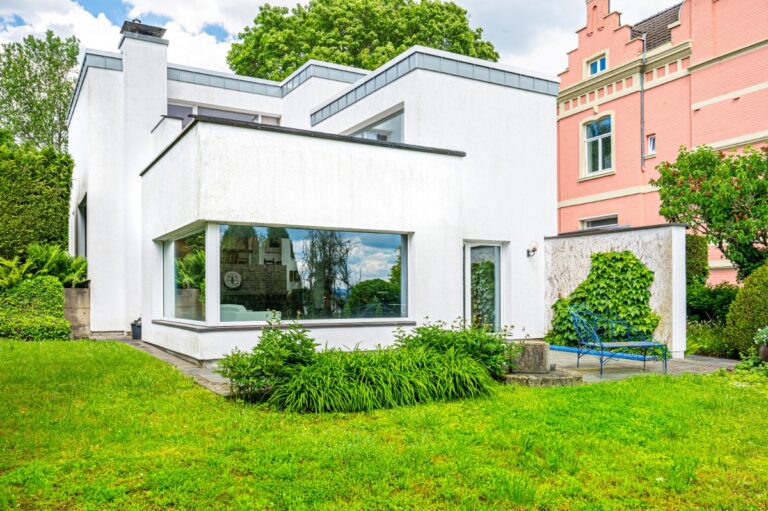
(761, 339)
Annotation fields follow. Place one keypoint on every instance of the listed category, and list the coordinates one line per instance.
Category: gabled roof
(656, 27)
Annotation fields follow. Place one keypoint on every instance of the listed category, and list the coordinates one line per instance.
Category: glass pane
(388, 130)
(604, 126)
(592, 130)
(593, 68)
(285, 273)
(484, 294)
(188, 299)
(593, 158)
(602, 64)
(607, 153)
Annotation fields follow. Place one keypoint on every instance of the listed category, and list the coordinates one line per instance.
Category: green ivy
(617, 285)
(696, 259)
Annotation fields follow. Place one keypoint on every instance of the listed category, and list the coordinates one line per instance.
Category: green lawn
(86, 425)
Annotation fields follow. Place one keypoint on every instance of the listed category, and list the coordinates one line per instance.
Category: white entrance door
(482, 284)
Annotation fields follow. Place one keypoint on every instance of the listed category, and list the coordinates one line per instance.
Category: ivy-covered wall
(661, 249)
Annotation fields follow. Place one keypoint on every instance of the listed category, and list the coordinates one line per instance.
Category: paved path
(589, 367)
(202, 375)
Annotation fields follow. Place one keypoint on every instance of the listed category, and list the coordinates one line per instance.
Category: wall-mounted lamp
(532, 249)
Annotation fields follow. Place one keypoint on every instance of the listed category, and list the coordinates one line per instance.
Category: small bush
(710, 303)
(33, 310)
(749, 311)
(617, 285)
(356, 381)
(33, 328)
(481, 344)
(708, 339)
(280, 353)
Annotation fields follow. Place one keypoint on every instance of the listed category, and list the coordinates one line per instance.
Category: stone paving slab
(620, 369)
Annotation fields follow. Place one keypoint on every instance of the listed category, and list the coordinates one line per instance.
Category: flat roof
(302, 133)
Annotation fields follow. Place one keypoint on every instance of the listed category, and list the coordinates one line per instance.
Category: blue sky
(533, 35)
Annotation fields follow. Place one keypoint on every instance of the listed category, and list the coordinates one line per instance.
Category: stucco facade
(698, 79)
(469, 178)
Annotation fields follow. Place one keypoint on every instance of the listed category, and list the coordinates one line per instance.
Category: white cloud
(64, 17)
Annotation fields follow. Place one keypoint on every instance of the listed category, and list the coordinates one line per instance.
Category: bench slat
(631, 344)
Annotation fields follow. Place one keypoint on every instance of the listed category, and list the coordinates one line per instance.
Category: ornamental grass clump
(483, 345)
(360, 381)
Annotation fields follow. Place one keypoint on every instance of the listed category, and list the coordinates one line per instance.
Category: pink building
(694, 74)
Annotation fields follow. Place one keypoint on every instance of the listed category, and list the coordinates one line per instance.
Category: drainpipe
(642, 107)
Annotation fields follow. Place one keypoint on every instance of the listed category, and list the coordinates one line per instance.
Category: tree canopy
(722, 196)
(359, 33)
(36, 85)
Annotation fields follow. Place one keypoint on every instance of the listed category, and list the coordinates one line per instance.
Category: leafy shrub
(479, 343)
(749, 311)
(761, 337)
(54, 261)
(708, 339)
(710, 303)
(190, 272)
(617, 285)
(696, 259)
(273, 361)
(355, 381)
(34, 196)
(33, 310)
(13, 271)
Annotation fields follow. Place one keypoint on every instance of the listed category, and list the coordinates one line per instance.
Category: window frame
(585, 141)
(584, 222)
(651, 141)
(602, 65)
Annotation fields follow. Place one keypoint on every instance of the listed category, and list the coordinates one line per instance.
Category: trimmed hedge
(34, 196)
(33, 310)
(710, 303)
(360, 381)
(749, 311)
(617, 285)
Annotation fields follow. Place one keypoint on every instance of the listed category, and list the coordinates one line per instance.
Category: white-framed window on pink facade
(598, 145)
(598, 65)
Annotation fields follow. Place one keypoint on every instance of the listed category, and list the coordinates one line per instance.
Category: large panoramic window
(599, 152)
(184, 290)
(387, 130)
(283, 273)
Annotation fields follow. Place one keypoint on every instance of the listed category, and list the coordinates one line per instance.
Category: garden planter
(763, 353)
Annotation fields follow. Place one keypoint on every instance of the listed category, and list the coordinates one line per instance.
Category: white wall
(509, 177)
(253, 176)
(96, 136)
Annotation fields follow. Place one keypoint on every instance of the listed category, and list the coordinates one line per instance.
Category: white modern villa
(354, 201)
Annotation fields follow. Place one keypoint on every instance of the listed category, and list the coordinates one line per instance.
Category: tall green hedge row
(34, 196)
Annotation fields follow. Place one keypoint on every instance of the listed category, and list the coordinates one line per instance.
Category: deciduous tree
(359, 33)
(722, 196)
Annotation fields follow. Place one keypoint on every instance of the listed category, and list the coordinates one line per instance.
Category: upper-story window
(597, 66)
(599, 150)
(386, 130)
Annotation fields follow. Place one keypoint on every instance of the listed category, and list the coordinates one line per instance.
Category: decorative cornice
(654, 59)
